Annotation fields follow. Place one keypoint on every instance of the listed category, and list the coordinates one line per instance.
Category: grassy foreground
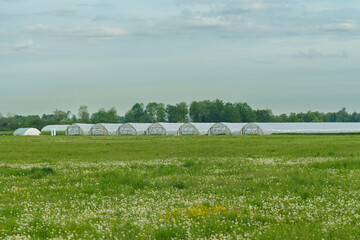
(211, 187)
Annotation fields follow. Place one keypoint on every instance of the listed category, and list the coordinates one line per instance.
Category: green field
(211, 187)
(6, 133)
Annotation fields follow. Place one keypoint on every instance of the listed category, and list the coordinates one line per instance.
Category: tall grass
(211, 187)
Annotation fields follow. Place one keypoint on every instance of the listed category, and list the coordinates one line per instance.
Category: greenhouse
(303, 127)
(164, 129)
(195, 128)
(59, 128)
(251, 129)
(105, 129)
(27, 132)
(226, 129)
(133, 128)
(79, 129)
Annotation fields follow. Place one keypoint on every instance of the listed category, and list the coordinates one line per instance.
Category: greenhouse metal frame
(195, 128)
(252, 129)
(226, 128)
(162, 128)
(133, 128)
(101, 129)
(81, 129)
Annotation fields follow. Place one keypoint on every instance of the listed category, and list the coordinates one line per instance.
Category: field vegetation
(210, 187)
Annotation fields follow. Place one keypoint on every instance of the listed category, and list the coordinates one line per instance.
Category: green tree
(34, 121)
(60, 117)
(13, 123)
(103, 116)
(293, 117)
(83, 114)
(231, 114)
(136, 114)
(264, 115)
(355, 117)
(160, 113)
(177, 113)
(199, 111)
(216, 111)
(246, 112)
(155, 112)
(342, 116)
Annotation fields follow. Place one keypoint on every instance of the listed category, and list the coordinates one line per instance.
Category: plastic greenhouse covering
(251, 129)
(226, 129)
(313, 127)
(79, 129)
(27, 132)
(195, 128)
(105, 129)
(61, 128)
(133, 128)
(164, 129)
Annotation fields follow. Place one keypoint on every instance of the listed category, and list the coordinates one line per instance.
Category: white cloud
(113, 31)
(93, 34)
(345, 26)
(313, 54)
(24, 45)
(259, 18)
(208, 22)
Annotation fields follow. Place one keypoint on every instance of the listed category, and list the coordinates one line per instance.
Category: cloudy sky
(286, 55)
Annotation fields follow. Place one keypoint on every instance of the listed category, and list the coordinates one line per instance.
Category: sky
(284, 55)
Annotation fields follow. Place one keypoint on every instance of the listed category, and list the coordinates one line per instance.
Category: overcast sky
(286, 55)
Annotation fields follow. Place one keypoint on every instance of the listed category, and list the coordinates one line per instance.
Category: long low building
(58, 128)
(303, 127)
(223, 128)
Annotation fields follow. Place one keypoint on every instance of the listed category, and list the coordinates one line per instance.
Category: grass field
(6, 133)
(211, 187)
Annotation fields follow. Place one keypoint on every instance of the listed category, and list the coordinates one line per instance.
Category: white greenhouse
(252, 129)
(133, 128)
(303, 127)
(195, 128)
(58, 128)
(27, 132)
(105, 129)
(79, 129)
(226, 128)
(164, 128)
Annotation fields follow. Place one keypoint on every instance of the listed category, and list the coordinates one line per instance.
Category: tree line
(197, 111)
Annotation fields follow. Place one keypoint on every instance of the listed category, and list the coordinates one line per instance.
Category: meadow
(180, 187)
